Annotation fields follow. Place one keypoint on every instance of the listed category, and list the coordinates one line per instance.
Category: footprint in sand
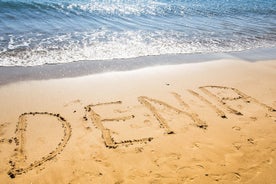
(226, 177)
(237, 145)
(251, 141)
(73, 102)
(237, 128)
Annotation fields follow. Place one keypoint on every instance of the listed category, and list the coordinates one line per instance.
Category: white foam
(105, 45)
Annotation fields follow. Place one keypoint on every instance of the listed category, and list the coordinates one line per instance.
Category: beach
(205, 122)
(137, 91)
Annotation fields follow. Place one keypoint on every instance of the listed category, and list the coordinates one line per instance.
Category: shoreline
(11, 74)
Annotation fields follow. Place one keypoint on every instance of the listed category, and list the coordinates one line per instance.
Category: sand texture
(210, 122)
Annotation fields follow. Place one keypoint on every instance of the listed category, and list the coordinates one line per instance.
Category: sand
(211, 122)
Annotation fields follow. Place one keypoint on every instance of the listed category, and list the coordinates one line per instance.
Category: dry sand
(212, 122)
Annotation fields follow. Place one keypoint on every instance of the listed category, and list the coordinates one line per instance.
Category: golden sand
(211, 122)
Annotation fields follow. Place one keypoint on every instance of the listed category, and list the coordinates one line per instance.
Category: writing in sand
(223, 101)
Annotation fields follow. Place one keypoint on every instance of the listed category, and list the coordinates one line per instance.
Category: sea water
(37, 32)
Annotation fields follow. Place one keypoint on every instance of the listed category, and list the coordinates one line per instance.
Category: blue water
(36, 32)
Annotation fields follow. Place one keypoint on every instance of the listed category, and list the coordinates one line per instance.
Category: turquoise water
(36, 32)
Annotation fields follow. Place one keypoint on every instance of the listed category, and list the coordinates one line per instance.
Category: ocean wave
(35, 32)
(112, 7)
(90, 46)
(141, 7)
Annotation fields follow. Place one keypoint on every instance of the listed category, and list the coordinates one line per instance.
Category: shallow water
(36, 32)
